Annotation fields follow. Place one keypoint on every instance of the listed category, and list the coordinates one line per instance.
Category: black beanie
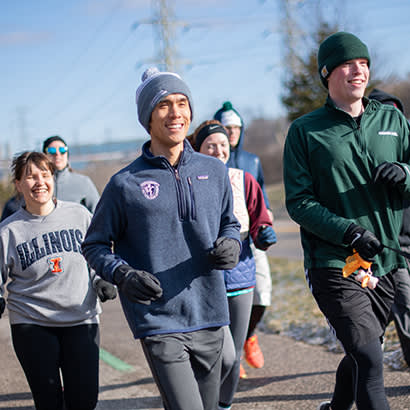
(338, 48)
(49, 140)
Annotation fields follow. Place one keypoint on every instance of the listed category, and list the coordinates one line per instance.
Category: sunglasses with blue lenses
(53, 150)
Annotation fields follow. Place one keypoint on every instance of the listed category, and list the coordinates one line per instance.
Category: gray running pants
(186, 367)
(240, 307)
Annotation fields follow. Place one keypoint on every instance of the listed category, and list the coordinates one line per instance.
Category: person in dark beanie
(400, 312)
(230, 118)
(69, 186)
(346, 174)
(163, 231)
(211, 138)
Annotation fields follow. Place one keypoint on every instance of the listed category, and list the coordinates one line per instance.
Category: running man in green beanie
(346, 174)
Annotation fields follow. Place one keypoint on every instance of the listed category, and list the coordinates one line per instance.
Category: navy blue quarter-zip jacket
(164, 220)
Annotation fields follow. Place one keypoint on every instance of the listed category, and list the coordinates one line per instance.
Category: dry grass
(294, 312)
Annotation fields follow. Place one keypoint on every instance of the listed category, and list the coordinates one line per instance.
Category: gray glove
(105, 290)
(137, 285)
(2, 305)
(225, 253)
(389, 173)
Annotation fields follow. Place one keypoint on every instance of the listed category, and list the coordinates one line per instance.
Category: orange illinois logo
(55, 264)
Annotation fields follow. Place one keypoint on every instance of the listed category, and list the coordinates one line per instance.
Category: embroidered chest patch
(150, 189)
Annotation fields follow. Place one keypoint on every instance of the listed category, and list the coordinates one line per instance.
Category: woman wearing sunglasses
(69, 185)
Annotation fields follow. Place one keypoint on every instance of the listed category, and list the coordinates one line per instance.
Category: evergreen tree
(304, 91)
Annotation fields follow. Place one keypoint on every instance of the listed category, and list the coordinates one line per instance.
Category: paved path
(296, 376)
(288, 244)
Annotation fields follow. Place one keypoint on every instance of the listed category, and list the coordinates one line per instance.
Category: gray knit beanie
(338, 48)
(155, 86)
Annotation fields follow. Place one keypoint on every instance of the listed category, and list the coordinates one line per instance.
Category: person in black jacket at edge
(400, 312)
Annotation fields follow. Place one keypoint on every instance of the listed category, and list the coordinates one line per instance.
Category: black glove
(137, 285)
(363, 241)
(265, 238)
(105, 290)
(2, 305)
(389, 173)
(225, 253)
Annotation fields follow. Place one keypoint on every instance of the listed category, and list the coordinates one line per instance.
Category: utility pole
(164, 30)
(164, 23)
(21, 113)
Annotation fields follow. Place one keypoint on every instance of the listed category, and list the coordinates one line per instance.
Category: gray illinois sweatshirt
(50, 283)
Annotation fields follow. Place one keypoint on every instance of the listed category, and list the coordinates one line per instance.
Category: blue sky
(72, 67)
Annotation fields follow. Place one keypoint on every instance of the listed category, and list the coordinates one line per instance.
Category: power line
(76, 60)
(87, 84)
(164, 24)
(97, 108)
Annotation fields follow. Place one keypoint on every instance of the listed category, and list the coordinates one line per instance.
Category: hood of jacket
(386, 98)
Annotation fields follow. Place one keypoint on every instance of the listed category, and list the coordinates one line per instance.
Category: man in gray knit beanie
(155, 86)
(162, 232)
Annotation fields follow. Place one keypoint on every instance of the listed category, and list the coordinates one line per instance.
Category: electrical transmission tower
(164, 25)
(164, 29)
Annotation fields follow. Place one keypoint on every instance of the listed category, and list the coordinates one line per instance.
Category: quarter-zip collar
(161, 161)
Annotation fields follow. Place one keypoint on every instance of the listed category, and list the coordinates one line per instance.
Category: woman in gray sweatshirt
(52, 294)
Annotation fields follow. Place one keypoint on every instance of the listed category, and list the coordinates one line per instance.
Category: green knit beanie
(337, 49)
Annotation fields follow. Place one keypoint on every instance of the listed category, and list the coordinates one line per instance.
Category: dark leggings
(256, 316)
(44, 351)
(359, 378)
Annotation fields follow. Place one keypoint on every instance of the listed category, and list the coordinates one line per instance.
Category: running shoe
(325, 405)
(242, 373)
(253, 353)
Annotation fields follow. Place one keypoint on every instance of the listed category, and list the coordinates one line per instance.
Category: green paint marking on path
(115, 362)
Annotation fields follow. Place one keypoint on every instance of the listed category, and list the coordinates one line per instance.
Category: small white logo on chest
(150, 189)
(394, 133)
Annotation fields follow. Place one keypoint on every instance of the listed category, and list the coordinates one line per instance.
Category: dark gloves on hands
(137, 285)
(265, 238)
(225, 253)
(364, 241)
(389, 173)
(2, 305)
(105, 290)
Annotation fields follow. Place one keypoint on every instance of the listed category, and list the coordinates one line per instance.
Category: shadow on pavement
(255, 382)
(146, 380)
(132, 403)
(398, 391)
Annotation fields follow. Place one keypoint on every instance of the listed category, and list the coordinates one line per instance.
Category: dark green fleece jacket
(328, 165)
